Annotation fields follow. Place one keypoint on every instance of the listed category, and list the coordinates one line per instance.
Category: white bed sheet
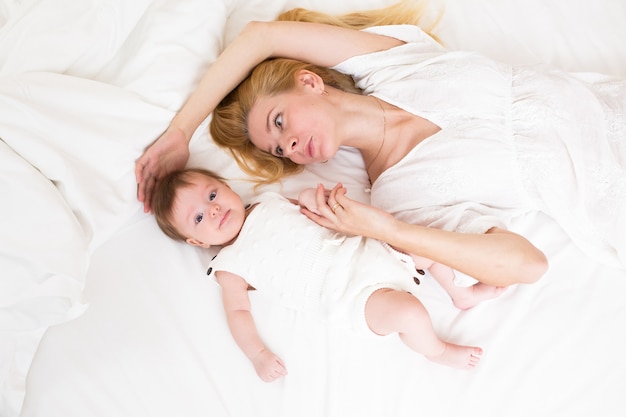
(84, 86)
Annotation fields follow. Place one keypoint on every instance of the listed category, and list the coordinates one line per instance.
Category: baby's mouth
(225, 218)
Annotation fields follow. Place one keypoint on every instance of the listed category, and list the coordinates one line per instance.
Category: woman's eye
(212, 196)
(279, 151)
(199, 217)
(278, 120)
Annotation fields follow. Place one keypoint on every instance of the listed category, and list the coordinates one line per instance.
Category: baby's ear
(194, 242)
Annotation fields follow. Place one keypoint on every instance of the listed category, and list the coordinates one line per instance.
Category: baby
(356, 282)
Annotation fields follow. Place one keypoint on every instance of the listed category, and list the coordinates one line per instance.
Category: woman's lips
(310, 150)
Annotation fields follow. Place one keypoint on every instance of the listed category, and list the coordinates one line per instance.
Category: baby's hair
(164, 197)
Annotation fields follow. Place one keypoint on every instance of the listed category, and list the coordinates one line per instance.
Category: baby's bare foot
(476, 294)
(457, 356)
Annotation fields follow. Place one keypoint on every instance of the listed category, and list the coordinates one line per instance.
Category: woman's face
(295, 125)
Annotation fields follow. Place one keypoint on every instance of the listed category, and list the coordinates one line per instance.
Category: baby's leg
(422, 263)
(463, 297)
(389, 311)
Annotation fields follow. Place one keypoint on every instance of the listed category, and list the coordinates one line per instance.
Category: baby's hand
(268, 366)
(307, 198)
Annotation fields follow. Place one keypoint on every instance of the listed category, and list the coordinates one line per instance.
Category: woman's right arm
(498, 257)
(314, 43)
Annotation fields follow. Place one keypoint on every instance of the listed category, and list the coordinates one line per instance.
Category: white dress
(512, 140)
(304, 266)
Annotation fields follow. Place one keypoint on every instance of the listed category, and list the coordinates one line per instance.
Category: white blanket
(130, 324)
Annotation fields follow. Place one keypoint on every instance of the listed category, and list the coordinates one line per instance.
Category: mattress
(102, 315)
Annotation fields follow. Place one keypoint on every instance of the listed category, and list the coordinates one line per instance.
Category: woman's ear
(309, 79)
(194, 242)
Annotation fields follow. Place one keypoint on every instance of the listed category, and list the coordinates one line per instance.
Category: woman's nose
(291, 146)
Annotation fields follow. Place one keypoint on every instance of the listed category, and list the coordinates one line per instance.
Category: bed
(102, 315)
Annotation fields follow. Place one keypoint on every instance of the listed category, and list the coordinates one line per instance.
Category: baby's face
(208, 211)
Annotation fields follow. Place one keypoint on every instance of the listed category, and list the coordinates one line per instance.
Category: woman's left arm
(498, 257)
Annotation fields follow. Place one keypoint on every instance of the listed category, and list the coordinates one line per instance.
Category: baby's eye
(212, 196)
(279, 151)
(278, 120)
(198, 218)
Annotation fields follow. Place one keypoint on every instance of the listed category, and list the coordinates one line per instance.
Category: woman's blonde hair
(229, 123)
(406, 12)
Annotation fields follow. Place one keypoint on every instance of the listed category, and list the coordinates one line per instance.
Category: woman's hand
(268, 366)
(338, 212)
(168, 153)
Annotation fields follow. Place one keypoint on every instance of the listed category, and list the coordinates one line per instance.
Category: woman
(451, 140)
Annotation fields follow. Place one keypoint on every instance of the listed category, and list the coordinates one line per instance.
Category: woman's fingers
(141, 176)
(322, 221)
(146, 180)
(168, 153)
(331, 200)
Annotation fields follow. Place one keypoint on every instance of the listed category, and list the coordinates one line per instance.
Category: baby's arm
(237, 307)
